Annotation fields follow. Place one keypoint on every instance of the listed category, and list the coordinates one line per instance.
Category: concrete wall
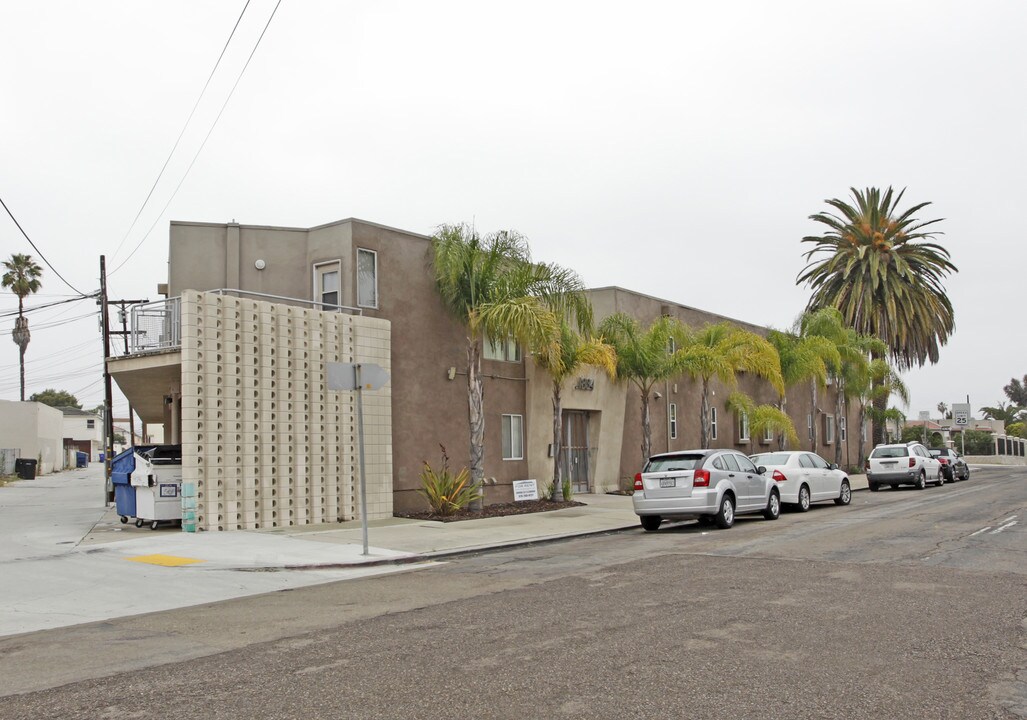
(264, 443)
(36, 431)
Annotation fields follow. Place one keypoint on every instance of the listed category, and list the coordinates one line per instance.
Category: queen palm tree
(644, 358)
(22, 277)
(721, 351)
(882, 270)
(561, 360)
(803, 359)
(492, 287)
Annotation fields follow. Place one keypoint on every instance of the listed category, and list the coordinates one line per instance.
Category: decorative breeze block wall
(264, 443)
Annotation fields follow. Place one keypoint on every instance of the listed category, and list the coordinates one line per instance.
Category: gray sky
(675, 149)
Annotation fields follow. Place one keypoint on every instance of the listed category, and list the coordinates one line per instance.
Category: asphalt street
(906, 604)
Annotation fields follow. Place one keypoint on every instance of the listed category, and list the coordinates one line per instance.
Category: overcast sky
(676, 149)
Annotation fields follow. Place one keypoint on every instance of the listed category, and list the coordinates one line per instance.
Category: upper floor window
(713, 423)
(842, 433)
(507, 350)
(90, 424)
(809, 425)
(743, 426)
(367, 278)
(328, 285)
(673, 418)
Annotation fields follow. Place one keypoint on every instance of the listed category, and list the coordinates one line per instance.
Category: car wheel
(940, 480)
(966, 474)
(650, 523)
(773, 509)
(803, 504)
(844, 495)
(921, 481)
(725, 517)
(874, 487)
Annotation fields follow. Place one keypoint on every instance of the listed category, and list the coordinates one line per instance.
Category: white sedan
(804, 477)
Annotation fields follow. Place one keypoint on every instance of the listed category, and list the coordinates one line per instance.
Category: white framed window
(713, 423)
(672, 417)
(768, 435)
(508, 350)
(842, 434)
(743, 427)
(328, 284)
(367, 278)
(809, 425)
(513, 437)
(828, 429)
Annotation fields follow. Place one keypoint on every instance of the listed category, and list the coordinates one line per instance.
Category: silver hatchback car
(711, 485)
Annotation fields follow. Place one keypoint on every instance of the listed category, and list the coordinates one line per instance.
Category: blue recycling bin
(81, 459)
(121, 475)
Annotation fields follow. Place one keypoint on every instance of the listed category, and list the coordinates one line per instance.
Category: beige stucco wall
(264, 443)
(36, 431)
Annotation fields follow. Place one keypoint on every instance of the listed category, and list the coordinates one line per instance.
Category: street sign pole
(360, 443)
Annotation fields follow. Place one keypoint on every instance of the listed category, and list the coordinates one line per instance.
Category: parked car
(712, 486)
(909, 464)
(804, 478)
(953, 467)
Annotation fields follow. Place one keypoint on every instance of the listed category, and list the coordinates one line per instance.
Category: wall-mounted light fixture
(260, 264)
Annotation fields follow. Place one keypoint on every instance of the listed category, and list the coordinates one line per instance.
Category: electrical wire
(202, 145)
(41, 255)
(35, 308)
(57, 323)
(182, 133)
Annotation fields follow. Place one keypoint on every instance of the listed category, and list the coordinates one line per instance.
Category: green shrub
(445, 492)
(566, 489)
(977, 442)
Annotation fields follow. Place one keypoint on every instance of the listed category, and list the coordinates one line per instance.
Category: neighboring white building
(84, 431)
(32, 430)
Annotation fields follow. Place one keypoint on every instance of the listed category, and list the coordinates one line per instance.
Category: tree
(644, 358)
(56, 398)
(22, 277)
(884, 273)
(803, 359)
(762, 417)
(491, 286)
(1007, 413)
(1016, 391)
(942, 409)
(828, 325)
(721, 351)
(561, 361)
(879, 380)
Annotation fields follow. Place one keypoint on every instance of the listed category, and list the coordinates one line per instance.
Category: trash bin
(81, 460)
(26, 468)
(122, 467)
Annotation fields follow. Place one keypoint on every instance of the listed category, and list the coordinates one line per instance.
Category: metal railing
(156, 326)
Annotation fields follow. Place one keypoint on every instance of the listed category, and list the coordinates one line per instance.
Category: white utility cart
(157, 480)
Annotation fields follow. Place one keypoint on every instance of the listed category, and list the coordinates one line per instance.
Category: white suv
(909, 464)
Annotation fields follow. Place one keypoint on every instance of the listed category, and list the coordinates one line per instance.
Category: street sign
(343, 376)
(961, 414)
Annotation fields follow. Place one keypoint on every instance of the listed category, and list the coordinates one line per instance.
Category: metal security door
(576, 451)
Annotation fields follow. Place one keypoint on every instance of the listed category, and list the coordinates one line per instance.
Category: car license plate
(667, 482)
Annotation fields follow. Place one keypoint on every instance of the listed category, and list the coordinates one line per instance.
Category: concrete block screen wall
(264, 443)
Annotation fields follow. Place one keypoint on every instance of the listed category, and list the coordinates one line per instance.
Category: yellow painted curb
(164, 560)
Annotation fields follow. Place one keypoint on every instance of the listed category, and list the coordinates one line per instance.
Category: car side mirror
(834, 466)
(761, 470)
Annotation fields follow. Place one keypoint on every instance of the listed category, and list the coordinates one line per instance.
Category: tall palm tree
(883, 271)
(22, 277)
(644, 358)
(562, 360)
(490, 284)
(721, 351)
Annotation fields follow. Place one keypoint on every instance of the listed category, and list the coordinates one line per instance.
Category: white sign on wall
(525, 490)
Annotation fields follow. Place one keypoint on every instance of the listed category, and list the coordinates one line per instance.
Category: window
(768, 434)
(809, 425)
(367, 278)
(842, 435)
(819, 462)
(713, 423)
(743, 426)
(327, 285)
(828, 429)
(91, 424)
(506, 350)
(672, 346)
(745, 464)
(730, 461)
(672, 417)
(513, 438)
(806, 461)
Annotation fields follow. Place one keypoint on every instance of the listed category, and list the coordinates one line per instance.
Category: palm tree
(493, 288)
(644, 358)
(561, 361)
(22, 277)
(721, 351)
(1006, 412)
(879, 381)
(884, 273)
(803, 359)
(763, 417)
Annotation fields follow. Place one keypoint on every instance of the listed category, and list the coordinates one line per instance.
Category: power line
(186, 125)
(26, 311)
(203, 144)
(41, 255)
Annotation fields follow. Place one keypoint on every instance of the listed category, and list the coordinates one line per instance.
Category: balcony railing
(157, 326)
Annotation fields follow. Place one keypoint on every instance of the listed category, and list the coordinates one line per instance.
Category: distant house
(83, 431)
(31, 430)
